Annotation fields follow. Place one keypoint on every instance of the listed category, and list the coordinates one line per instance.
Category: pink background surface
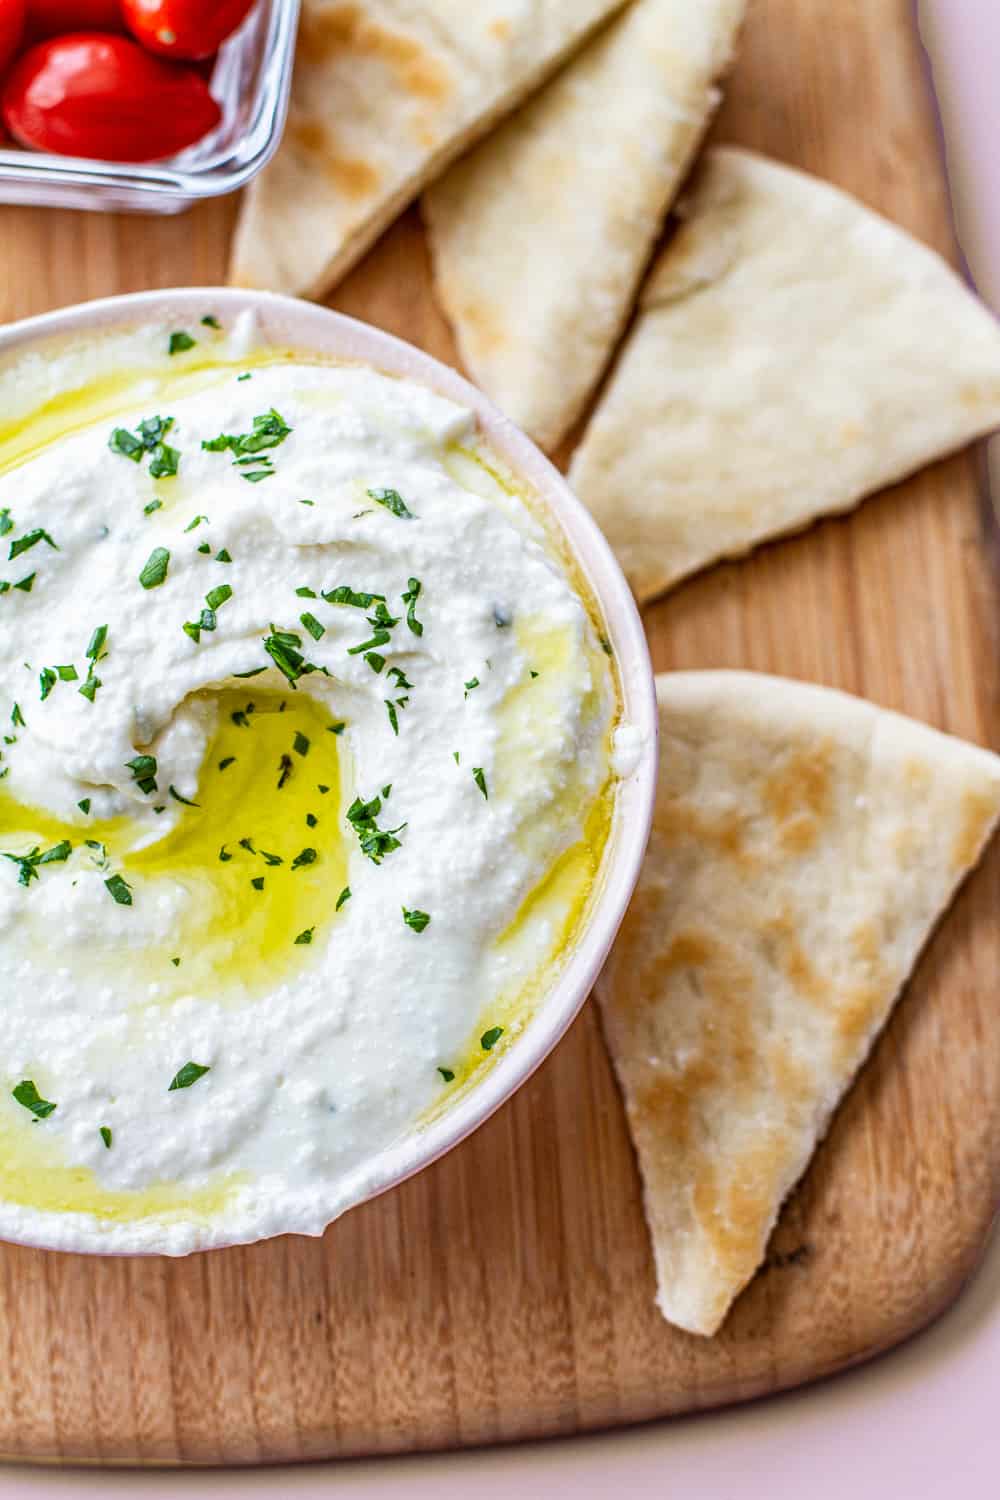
(920, 1423)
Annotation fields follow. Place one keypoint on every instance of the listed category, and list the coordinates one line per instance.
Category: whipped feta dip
(306, 774)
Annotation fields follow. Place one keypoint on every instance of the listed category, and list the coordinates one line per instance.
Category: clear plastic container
(250, 81)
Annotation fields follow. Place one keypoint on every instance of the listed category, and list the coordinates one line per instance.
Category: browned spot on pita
(798, 796)
(661, 1112)
(978, 812)
(347, 29)
(483, 326)
(866, 942)
(857, 1012)
(350, 175)
(724, 832)
(734, 1215)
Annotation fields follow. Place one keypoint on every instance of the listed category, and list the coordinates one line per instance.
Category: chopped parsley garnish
(211, 322)
(418, 920)
(16, 717)
(153, 505)
(336, 728)
(322, 789)
(283, 647)
(472, 683)
(176, 962)
(204, 549)
(143, 769)
(489, 1039)
(216, 597)
(27, 1094)
(29, 540)
(95, 653)
(533, 673)
(28, 864)
(226, 762)
(258, 882)
(392, 500)
(246, 376)
(84, 805)
(315, 629)
(181, 342)
(343, 898)
(390, 709)
(223, 556)
(375, 842)
(300, 744)
(269, 430)
(311, 820)
(6, 524)
(186, 1076)
(605, 645)
(239, 717)
(164, 462)
(120, 890)
(285, 766)
(155, 570)
(178, 798)
(163, 459)
(305, 938)
(254, 672)
(305, 857)
(106, 1136)
(447, 1075)
(400, 677)
(413, 591)
(25, 584)
(379, 638)
(193, 525)
(480, 780)
(344, 594)
(224, 855)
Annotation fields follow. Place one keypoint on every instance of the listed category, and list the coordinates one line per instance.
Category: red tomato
(184, 28)
(95, 95)
(54, 17)
(11, 26)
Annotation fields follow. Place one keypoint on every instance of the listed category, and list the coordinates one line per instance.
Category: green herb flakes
(155, 570)
(258, 882)
(29, 540)
(172, 790)
(489, 1039)
(418, 920)
(375, 842)
(180, 342)
(480, 780)
(447, 1075)
(305, 938)
(315, 629)
(343, 898)
(300, 744)
(305, 857)
(413, 591)
(119, 890)
(27, 1094)
(186, 1076)
(393, 501)
(143, 769)
(106, 1136)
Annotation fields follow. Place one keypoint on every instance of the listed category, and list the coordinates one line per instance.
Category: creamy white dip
(313, 976)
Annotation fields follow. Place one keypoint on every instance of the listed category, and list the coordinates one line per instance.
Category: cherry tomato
(184, 28)
(95, 95)
(11, 26)
(55, 17)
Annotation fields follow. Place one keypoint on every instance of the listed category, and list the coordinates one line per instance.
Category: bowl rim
(311, 328)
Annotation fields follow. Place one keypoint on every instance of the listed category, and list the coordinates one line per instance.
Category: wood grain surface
(507, 1292)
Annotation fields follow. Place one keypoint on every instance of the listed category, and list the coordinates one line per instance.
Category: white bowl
(288, 323)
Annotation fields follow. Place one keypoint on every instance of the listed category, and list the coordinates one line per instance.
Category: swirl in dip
(306, 779)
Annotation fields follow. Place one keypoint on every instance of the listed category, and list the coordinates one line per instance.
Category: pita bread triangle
(541, 233)
(804, 845)
(385, 94)
(794, 352)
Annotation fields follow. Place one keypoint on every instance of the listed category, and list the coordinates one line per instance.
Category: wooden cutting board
(507, 1292)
